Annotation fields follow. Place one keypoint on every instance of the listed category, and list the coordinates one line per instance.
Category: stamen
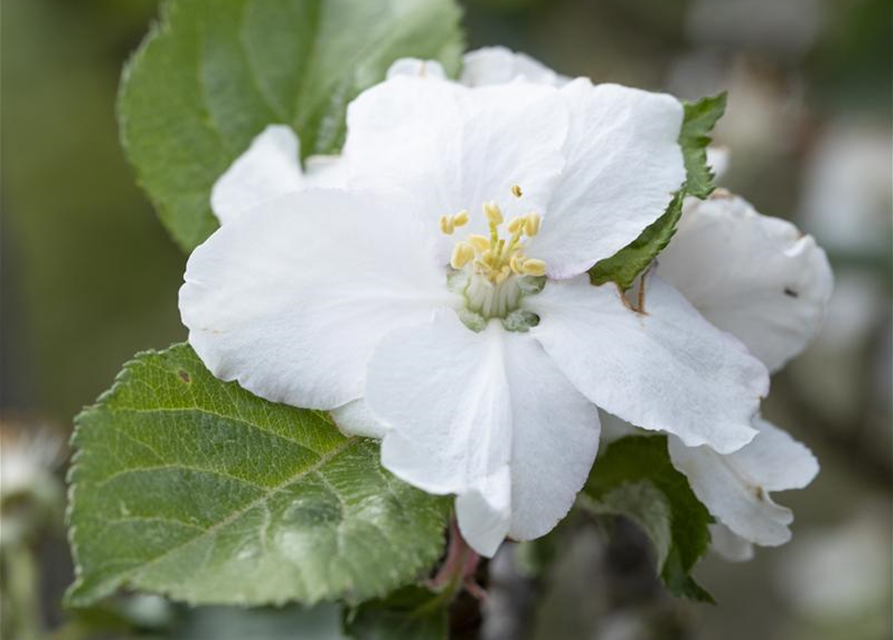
(516, 262)
(481, 243)
(534, 267)
(532, 222)
(495, 267)
(515, 224)
(448, 224)
(516, 191)
(493, 213)
(463, 253)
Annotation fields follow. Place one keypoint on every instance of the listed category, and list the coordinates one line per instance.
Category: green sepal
(700, 119)
(694, 137)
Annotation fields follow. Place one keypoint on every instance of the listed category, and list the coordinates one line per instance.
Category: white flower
(767, 284)
(442, 302)
(760, 279)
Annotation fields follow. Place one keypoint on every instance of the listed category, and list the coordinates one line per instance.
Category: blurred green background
(89, 277)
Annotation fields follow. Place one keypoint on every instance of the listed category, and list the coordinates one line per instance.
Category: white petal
(498, 65)
(444, 391)
(623, 165)
(728, 545)
(355, 419)
(735, 488)
(418, 68)
(754, 276)
(484, 511)
(444, 148)
(269, 168)
(325, 172)
(718, 159)
(777, 460)
(555, 439)
(488, 417)
(291, 299)
(668, 369)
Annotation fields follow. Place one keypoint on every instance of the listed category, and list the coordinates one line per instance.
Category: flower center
(492, 271)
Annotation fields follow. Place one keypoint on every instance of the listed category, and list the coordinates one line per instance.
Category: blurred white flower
(847, 197)
(478, 360)
(786, 28)
(847, 201)
(29, 488)
(28, 455)
(842, 573)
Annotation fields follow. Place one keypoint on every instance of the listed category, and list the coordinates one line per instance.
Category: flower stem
(458, 569)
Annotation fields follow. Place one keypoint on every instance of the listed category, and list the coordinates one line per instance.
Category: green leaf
(412, 613)
(193, 488)
(626, 265)
(214, 73)
(700, 118)
(635, 478)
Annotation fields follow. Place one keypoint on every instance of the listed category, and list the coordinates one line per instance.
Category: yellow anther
(516, 191)
(532, 222)
(493, 213)
(515, 225)
(481, 243)
(534, 267)
(516, 262)
(495, 257)
(463, 253)
(481, 267)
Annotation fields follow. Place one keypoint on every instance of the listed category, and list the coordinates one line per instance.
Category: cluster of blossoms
(429, 287)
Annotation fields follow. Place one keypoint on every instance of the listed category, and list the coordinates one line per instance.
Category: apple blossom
(767, 284)
(440, 299)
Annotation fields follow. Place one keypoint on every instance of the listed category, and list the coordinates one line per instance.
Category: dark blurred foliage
(89, 276)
